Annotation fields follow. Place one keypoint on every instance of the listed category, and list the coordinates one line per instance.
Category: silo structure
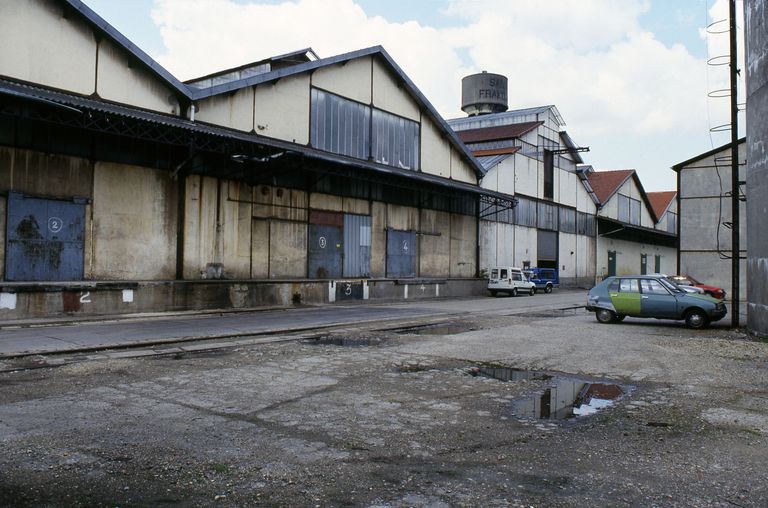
(484, 93)
(756, 19)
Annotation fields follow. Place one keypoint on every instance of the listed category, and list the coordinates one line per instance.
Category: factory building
(528, 154)
(291, 179)
(635, 232)
(704, 184)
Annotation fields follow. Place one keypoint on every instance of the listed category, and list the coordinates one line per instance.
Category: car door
(656, 301)
(626, 300)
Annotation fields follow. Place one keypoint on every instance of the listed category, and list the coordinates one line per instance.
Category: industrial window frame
(549, 174)
(348, 127)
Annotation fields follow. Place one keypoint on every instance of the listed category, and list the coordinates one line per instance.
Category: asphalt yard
(542, 407)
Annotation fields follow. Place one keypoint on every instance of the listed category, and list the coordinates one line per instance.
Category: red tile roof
(514, 130)
(606, 183)
(660, 201)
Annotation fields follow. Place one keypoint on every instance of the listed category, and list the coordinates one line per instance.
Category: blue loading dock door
(326, 245)
(44, 239)
(401, 253)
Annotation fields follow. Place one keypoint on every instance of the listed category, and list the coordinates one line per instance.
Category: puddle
(344, 341)
(437, 329)
(555, 313)
(563, 398)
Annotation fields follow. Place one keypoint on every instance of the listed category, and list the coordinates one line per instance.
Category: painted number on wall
(322, 242)
(85, 297)
(55, 224)
(405, 246)
(347, 289)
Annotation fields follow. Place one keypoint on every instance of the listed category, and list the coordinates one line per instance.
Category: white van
(511, 280)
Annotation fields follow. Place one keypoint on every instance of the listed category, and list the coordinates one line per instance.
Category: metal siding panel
(401, 253)
(357, 245)
(44, 239)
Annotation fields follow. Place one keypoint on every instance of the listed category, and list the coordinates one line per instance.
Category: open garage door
(546, 248)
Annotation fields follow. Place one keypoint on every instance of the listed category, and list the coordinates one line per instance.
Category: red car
(687, 280)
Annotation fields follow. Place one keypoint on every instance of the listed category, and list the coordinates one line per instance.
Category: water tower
(484, 93)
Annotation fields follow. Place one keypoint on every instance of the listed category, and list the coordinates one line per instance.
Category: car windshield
(691, 280)
(672, 285)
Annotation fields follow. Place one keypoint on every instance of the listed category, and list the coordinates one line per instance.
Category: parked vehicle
(651, 296)
(687, 289)
(511, 280)
(687, 280)
(544, 278)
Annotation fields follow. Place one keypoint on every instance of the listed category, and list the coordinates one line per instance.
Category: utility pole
(735, 237)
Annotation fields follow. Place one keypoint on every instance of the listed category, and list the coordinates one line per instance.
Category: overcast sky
(629, 77)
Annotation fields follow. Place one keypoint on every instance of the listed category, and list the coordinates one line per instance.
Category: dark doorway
(611, 263)
(643, 264)
(546, 249)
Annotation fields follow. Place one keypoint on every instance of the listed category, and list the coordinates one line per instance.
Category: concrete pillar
(756, 21)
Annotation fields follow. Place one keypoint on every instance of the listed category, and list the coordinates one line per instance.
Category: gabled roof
(189, 94)
(660, 202)
(505, 118)
(105, 29)
(510, 131)
(607, 183)
(681, 165)
(375, 51)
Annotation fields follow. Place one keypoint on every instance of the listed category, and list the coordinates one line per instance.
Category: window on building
(340, 125)
(549, 174)
(525, 212)
(346, 127)
(634, 212)
(671, 222)
(547, 216)
(395, 140)
(585, 224)
(629, 210)
(567, 220)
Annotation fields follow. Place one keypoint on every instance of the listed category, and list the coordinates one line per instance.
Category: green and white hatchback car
(651, 297)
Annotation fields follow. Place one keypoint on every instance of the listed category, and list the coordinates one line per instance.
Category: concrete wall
(463, 246)
(435, 151)
(122, 80)
(705, 242)
(282, 109)
(628, 257)
(231, 110)
(134, 223)
(390, 95)
(351, 80)
(756, 19)
(41, 44)
(434, 243)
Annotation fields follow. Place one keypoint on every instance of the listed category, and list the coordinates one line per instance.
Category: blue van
(544, 278)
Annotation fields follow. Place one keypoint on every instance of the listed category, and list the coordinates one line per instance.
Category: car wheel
(532, 291)
(548, 288)
(605, 315)
(494, 292)
(696, 319)
(514, 292)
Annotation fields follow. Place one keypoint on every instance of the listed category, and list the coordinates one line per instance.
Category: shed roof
(660, 202)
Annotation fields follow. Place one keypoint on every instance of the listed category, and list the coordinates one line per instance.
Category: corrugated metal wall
(357, 245)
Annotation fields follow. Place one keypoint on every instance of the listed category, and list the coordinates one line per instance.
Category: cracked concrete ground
(390, 418)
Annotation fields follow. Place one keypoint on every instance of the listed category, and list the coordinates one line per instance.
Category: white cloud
(634, 100)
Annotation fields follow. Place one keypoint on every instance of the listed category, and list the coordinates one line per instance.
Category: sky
(629, 77)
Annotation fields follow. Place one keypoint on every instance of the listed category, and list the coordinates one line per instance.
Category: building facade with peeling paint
(292, 179)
